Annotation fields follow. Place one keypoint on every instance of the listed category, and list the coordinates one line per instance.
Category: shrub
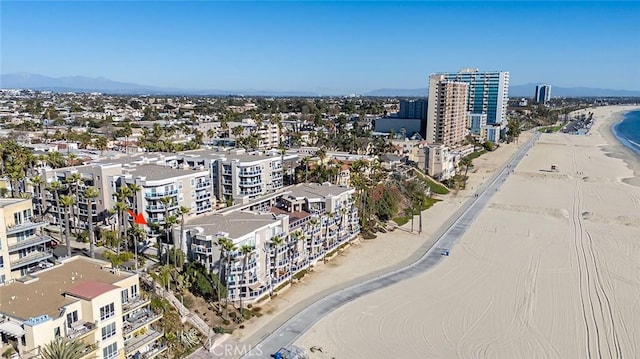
(226, 322)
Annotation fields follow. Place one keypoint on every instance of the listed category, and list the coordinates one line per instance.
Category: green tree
(246, 251)
(183, 210)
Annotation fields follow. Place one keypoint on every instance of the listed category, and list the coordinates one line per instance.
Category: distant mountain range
(104, 85)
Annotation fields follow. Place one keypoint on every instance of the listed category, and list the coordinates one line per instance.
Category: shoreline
(528, 278)
(367, 257)
(615, 147)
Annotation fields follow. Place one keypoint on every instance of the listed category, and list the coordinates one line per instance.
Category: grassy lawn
(433, 185)
(476, 154)
(549, 129)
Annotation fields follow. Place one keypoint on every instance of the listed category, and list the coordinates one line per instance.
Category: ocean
(628, 131)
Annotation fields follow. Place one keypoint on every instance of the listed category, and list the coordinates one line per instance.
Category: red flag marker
(139, 219)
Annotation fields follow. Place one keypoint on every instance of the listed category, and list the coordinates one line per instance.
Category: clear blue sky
(328, 47)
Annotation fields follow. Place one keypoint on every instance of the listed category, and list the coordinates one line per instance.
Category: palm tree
(122, 194)
(314, 222)
(276, 242)
(67, 202)
(36, 181)
(64, 348)
(245, 250)
(135, 188)
(54, 188)
(166, 201)
(182, 211)
(91, 193)
(169, 222)
(296, 237)
(73, 182)
(120, 208)
(227, 247)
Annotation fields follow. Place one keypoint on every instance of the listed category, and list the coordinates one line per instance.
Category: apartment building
(240, 177)
(447, 111)
(24, 248)
(185, 187)
(100, 176)
(85, 300)
(440, 162)
(286, 233)
(488, 92)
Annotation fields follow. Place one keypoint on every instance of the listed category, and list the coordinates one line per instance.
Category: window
(56, 332)
(72, 318)
(107, 311)
(110, 352)
(108, 331)
(2, 278)
(1, 262)
(125, 295)
(134, 291)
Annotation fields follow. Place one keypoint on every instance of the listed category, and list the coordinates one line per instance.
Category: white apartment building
(440, 161)
(85, 300)
(185, 187)
(287, 232)
(24, 248)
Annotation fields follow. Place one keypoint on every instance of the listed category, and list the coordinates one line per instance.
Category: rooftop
(46, 295)
(158, 173)
(90, 289)
(236, 224)
(317, 190)
(11, 201)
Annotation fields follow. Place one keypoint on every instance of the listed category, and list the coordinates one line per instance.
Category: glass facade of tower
(488, 92)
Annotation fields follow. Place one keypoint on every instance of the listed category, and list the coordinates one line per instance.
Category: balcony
(204, 184)
(202, 249)
(152, 195)
(80, 329)
(29, 243)
(134, 303)
(139, 320)
(25, 226)
(136, 343)
(90, 350)
(161, 207)
(249, 173)
(203, 208)
(31, 258)
(156, 349)
(203, 196)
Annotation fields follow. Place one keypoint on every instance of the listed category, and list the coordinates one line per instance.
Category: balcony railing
(155, 350)
(161, 194)
(161, 207)
(135, 343)
(32, 258)
(203, 184)
(133, 303)
(90, 350)
(25, 226)
(138, 320)
(80, 329)
(203, 196)
(29, 243)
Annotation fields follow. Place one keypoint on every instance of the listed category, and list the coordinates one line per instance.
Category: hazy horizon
(351, 47)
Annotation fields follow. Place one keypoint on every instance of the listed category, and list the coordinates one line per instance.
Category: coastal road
(421, 261)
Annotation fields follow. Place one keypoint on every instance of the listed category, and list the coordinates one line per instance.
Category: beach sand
(550, 269)
(366, 257)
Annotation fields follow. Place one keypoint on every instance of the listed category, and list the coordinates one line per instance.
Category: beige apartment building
(446, 111)
(24, 248)
(81, 299)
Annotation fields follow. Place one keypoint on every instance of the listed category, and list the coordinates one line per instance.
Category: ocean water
(628, 131)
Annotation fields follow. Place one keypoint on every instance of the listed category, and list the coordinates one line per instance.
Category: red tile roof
(90, 289)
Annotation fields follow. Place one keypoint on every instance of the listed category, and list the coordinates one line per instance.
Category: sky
(325, 47)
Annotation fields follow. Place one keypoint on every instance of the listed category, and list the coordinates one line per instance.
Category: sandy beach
(550, 269)
(366, 257)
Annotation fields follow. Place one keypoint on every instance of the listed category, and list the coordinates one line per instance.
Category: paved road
(425, 258)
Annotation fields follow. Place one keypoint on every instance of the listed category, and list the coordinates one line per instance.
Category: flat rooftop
(237, 224)
(317, 190)
(46, 295)
(158, 172)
